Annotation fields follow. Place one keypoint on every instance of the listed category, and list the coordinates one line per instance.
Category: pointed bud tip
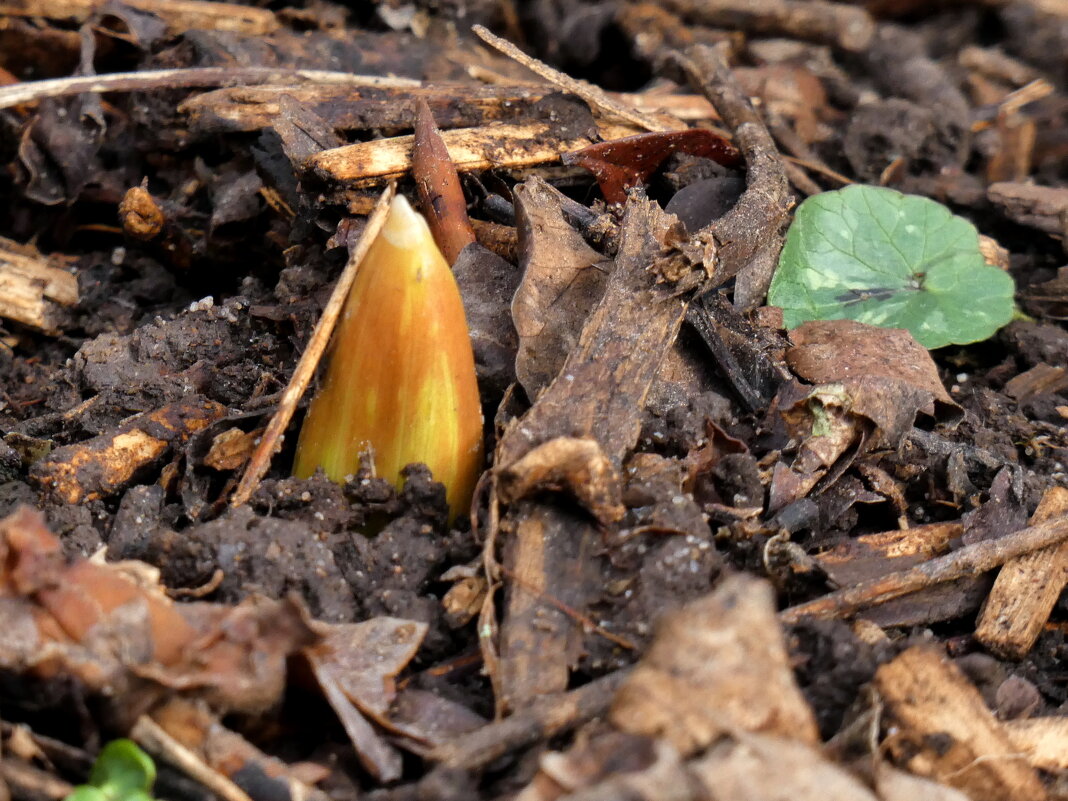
(405, 227)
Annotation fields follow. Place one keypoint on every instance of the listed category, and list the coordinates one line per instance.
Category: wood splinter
(32, 289)
(1026, 590)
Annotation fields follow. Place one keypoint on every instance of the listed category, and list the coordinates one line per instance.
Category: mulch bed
(709, 558)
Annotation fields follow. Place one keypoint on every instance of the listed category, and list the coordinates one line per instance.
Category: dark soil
(221, 306)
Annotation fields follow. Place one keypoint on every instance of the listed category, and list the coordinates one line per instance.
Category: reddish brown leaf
(627, 162)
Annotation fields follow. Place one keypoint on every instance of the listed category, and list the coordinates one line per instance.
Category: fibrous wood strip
(1043, 740)
(500, 145)
(180, 15)
(940, 727)
(30, 287)
(599, 393)
(248, 108)
(1026, 590)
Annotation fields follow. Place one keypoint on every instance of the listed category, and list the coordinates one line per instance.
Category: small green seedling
(122, 772)
(880, 257)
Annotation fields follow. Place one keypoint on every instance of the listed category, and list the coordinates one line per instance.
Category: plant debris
(717, 549)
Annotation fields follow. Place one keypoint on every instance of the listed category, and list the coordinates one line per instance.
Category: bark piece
(967, 561)
(548, 563)
(1041, 207)
(249, 108)
(717, 665)
(871, 555)
(106, 464)
(844, 26)
(1026, 590)
(180, 15)
(494, 146)
(599, 393)
(32, 289)
(1039, 380)
(943, 729)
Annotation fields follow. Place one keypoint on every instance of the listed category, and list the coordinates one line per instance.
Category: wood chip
(180, 15)
(940, 727)
(1026, 590)
(32, 288)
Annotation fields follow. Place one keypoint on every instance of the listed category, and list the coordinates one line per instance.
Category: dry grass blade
(30, 91)
(156, 740)
(309, 360)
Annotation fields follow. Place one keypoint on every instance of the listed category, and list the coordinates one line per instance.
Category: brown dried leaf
(562, 281)
(104, 626)
(888, 375)
(355, 667)
(576, 465)
(718, 665)
(365, 657)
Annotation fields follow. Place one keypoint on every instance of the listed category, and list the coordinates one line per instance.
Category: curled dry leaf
(870, 384)
(562, 281)
(879, 367)
(717, 665)
(627, 162)
(105, 627)
(576, 465)
(355, 667)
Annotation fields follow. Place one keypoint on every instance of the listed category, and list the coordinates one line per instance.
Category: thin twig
(546, 717)
(593, 95)
(583, 620)
(971, 560)
(31, 91)
(154, 739)
(309, 360)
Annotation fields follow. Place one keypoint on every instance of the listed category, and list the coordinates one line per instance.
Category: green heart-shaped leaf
(123, 772)
(877, 256)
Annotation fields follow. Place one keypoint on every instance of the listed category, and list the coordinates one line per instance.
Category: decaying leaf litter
(709, 558)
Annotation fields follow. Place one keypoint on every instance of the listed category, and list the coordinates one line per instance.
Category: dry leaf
(717, 665)
(562, 281)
